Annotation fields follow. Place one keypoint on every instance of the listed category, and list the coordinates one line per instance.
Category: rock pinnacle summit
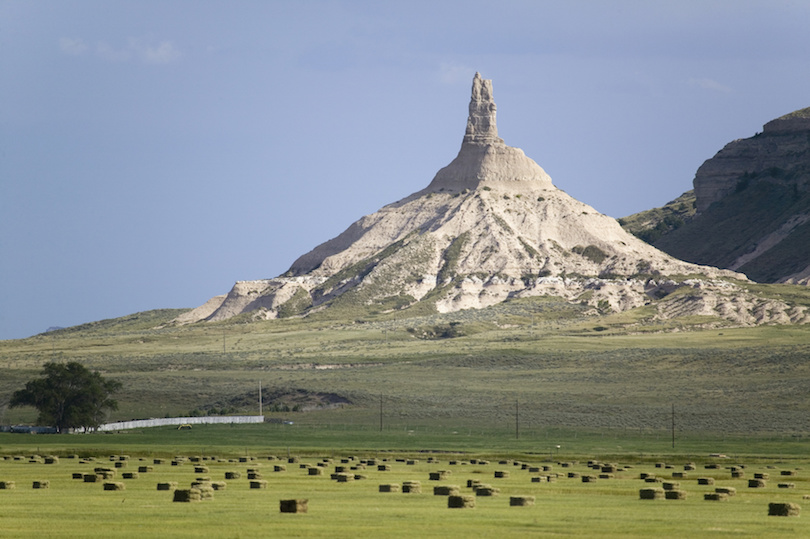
(481, 126)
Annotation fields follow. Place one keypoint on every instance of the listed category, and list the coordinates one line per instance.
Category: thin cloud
(709, 84)
(73, 47)
(140, 49)
(111, 54)
(163, 53)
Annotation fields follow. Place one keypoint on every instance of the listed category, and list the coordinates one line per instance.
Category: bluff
(751, 207)
(490, 226)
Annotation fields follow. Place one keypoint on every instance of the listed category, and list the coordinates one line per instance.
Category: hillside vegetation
(563, 365)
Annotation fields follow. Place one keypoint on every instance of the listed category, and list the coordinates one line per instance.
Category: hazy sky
(152, 153)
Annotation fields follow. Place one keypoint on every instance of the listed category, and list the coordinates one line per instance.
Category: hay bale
(91, 477)
(112, 485)
(7, 485)
(383, 468)
(689, 467)
(233, 475)
(219, 485)
(315, 471)
(651, 493)
(679, 475)
(293, 506)
(458, 502)
(486, 490)
(737, 474)
(158, 461)
(389, 487)
(521, 501)
(105, 473)
(77, 475)
(167, 485)
(201, 469)
(145, 469)
(715, 496)
(539, 479)
(589, 479)
(501, 474)
(472, 483)
(258, 483)
(786, 485)
(279, 468)
(359, 476)
(783, 509)
(764, 476)
(41, 484)
(646, 475)
(756, 483)
(608, 468)
(671, 485)
(120, 464)
(605, 476)
(187, 495)
(51, 460)
(446, 490)
(129, 475)
(728, 491)
(573, 475)
(705, 480)
(783, 472)
(412, 487)
(256, 475)
(675, 494)
(343, 477)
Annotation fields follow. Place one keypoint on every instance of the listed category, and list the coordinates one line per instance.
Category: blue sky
(152, 153)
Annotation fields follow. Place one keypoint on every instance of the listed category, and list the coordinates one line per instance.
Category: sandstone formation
(783, 144)
(489, 227)
(752, 202)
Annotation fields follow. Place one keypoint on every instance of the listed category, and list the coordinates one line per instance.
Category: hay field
(502, 492)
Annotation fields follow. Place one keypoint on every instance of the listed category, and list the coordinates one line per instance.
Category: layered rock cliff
(752, 207)
(490, 226)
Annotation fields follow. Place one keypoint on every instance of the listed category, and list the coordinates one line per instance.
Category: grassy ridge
(563, 369)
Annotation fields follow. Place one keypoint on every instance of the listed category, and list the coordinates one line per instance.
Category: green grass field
(608, 507)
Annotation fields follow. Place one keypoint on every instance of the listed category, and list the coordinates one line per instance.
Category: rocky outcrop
(753, 207)
(783, 146)
(490, 226)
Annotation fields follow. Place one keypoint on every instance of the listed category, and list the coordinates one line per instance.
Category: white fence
(142, 423)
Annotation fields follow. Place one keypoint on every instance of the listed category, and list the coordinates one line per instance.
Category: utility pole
(517, 420)
(260, 397)
(673, 424)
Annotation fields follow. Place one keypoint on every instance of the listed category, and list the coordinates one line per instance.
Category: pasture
(343, 489)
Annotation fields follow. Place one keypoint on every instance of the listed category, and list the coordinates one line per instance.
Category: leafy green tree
(68, 396)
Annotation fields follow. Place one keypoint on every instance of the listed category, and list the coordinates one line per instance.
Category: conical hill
(490, 226)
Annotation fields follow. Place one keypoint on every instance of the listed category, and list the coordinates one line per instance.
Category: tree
(68, 396)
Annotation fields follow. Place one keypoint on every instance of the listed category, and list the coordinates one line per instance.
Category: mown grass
(567, 506)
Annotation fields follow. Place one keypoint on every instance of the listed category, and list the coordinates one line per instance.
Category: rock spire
(481, 126)
(484, 158)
